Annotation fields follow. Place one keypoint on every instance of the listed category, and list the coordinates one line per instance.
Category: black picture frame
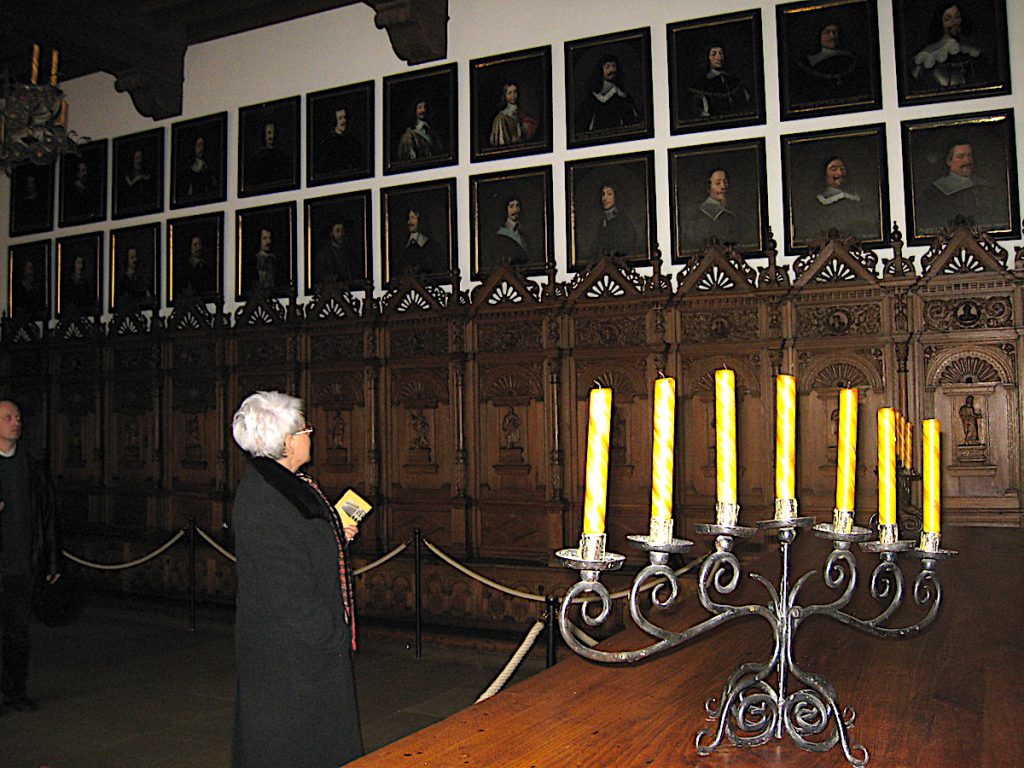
(133, 272)
(83, 185)
(989, 202)
(828, 57)
(31, 199)
(199, 161)
(28, 281)
(79, 277)
(340, 134)
(630, 235)
(510, 98)
(716, 72)
(733, 209)
(435, 255)
(268, 159)
(265, 251)
(524, 196)
(836, 180)
(195, 259)
(969, 60)
(409, 145)
(342, 256)
(138, 176)
(623, 116)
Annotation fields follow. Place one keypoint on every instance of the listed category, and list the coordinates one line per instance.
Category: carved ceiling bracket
(418, 29)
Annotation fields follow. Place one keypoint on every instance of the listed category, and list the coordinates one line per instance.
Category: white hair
(264, 420)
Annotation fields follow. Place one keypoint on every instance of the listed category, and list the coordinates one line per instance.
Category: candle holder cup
(762, 701)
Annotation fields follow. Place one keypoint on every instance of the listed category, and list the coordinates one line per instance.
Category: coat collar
(293, 488)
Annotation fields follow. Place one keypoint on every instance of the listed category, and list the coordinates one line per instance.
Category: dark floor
(127, 684)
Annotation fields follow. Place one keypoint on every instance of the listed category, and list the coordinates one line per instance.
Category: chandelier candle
(846, 471)
(785, 447)
(53, 67)
(662, 459)
(930, 431)
(35, 64)
(726, 508)
(596, 495)
(908, 442)
(887, 530)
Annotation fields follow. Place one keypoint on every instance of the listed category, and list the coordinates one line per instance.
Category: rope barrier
(381, 560)
(482, 579)
(513, 663)
(121, 566)
(209, 540)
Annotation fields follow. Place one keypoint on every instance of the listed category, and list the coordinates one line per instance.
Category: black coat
(295, 704)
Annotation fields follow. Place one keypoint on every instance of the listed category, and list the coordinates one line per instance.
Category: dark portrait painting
(961, 168)
(199, 156)
(418, 232)
(828, 57)
(421, 126)
(610, 208)
(31, 199)
(718, 191)
(716, 72)
(28, 281)
(836, 181)
(511, 215)
(268, 147)
(608, 93)
(339, 134)
(338, 245)
(138, 179)
(265, 251)
(950, 50)
(511, 104)
(134, 270)
(195, 268)
(83, 185)
(78, 274)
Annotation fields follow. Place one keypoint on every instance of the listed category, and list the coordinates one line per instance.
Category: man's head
(610, 67)
(421, 109)
(835, 172)
(10, 425)
(81, 170)
(137, 158)
(512, 209)
(269, 135)
(195, 246)
(338, 231)
(952, 21)
(199, 147)
(718, 185)
(131, 259)
(830, 36)
(413, 220)
(607, 197)
(960, 160)
(78, 265)
(266, 239)
(716, 57)
(340, 120)
(28, 271)
(511, 93)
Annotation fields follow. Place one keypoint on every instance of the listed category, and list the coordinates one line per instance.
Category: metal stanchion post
(417, 538)
(552, 627)
(192, 574)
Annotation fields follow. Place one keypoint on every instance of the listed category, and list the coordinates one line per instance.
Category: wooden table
(949, 698)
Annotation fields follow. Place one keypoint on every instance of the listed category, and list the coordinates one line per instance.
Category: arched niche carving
(957, 365)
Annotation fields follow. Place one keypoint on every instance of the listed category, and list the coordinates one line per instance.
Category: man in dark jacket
(27, 542)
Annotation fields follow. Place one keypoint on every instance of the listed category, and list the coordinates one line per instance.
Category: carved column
(557, 460)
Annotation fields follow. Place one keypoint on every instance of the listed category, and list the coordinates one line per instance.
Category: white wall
(343, 46)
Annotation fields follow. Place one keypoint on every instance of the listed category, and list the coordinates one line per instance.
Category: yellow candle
(663, 456)
(846, 475)
(64, 113)
(725, 435)
(598, 431)
(900, 434)
(908, 442)
(53, 67)
(35, 64)
(785, 437)
(886, 466)
(930, 430)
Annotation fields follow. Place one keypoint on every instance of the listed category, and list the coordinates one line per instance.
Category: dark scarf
(303, 492)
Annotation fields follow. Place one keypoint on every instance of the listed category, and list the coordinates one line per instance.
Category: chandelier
(33, 120)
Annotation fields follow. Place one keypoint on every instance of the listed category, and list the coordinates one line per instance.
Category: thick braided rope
(121, 566)
(206, 537)
(513, 663)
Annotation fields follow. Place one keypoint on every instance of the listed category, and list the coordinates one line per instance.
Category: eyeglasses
(306, 430)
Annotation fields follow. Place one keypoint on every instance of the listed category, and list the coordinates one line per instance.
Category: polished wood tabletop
(949, 697)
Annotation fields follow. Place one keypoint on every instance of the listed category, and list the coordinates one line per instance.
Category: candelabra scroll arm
(722, 571)
(840, 568)
(808, 712)
(927, 594)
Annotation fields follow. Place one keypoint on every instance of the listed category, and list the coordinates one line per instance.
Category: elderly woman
(295, 699)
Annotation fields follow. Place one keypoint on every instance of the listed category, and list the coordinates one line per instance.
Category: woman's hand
(350, 532)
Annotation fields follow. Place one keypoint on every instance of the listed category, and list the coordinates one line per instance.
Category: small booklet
(352, 508)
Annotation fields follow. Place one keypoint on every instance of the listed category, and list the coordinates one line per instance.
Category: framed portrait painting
(718, 191)
(31, 199)
(511, 104)
(421, 127)
(418, 232)
(268, 147)
(28, 280)
(83, 185)
(610, 208)
(836, 181)
(511, 215)
(134, 270)
(828, 57)
(947, 50)
(608, 94)
(961, 169)
(716, 72)
(339, 134)
(265, 251)
(78, 274)
(199, 157)
(138, 178)
(338, 241)
(195, 259)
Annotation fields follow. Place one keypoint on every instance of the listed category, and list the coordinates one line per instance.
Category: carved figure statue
(421, 430)
(969, 418)
(510, 425)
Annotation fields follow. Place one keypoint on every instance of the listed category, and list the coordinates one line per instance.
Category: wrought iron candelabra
(760, 701)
